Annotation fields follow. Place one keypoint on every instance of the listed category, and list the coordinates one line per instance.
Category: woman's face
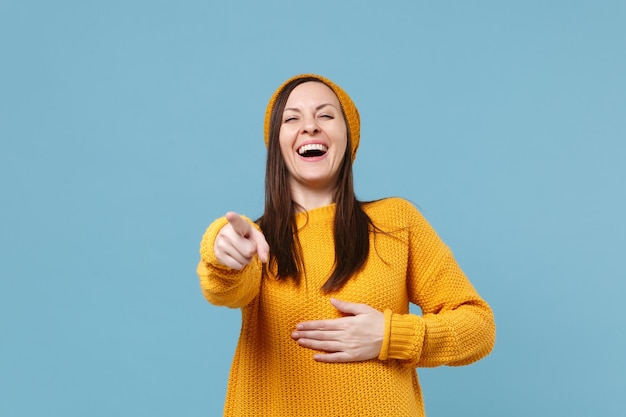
(313, 137)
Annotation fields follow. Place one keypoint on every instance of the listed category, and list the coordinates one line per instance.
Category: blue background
(126, 127)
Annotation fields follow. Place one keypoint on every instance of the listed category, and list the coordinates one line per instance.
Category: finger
(262, 247)
(233, 263)
(324, 346)
(348, 307)
(327, 335)
(332, 324)
(335, 357)
(237, 256)
(239, 225)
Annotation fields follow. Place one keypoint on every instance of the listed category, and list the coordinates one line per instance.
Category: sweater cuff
(404, 336)
(207, 254)
(384, 349)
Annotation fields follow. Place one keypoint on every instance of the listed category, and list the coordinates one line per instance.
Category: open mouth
(312, 150)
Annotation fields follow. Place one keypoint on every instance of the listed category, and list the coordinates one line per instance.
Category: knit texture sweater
(271, 375)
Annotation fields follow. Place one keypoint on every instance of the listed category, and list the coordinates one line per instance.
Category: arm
(457, 326)
(231, 255)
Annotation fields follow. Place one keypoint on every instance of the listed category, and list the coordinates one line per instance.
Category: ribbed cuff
(404, 337)
(384, 349)
(207, 254)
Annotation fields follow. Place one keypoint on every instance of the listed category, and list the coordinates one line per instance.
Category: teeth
(312, 147)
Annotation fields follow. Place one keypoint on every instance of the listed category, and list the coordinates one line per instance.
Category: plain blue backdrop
(126, 127)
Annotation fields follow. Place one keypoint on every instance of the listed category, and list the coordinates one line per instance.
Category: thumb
(262, 247)
(348, 307)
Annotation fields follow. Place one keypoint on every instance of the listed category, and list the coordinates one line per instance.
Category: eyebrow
(321, 106)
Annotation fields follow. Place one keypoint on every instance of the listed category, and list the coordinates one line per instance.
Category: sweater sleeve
(456, 327)
(220, 284)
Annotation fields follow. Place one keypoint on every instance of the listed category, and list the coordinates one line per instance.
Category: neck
(309, 199)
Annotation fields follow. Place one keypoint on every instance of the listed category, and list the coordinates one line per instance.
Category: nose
(310, 126)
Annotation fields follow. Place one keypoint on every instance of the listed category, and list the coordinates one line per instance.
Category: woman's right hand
(238, 242)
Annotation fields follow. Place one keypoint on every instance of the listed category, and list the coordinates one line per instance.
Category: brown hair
(351, 225)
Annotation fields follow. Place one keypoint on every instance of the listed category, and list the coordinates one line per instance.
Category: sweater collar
(317, 215)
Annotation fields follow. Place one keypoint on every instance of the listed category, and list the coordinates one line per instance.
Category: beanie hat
(347, 105)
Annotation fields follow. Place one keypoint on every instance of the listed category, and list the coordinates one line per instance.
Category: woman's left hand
(356, 337)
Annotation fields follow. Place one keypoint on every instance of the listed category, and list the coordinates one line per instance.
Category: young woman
(324, 281)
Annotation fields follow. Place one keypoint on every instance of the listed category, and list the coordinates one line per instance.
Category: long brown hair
(278, 223)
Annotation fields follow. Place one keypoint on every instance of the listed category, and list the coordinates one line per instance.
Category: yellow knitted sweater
(272, 375)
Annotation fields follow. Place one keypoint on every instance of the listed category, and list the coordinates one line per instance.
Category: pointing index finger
(239, 225)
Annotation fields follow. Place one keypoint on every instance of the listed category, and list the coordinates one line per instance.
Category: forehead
(312, 93)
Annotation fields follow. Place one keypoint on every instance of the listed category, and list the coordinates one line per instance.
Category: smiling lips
(312, 150)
